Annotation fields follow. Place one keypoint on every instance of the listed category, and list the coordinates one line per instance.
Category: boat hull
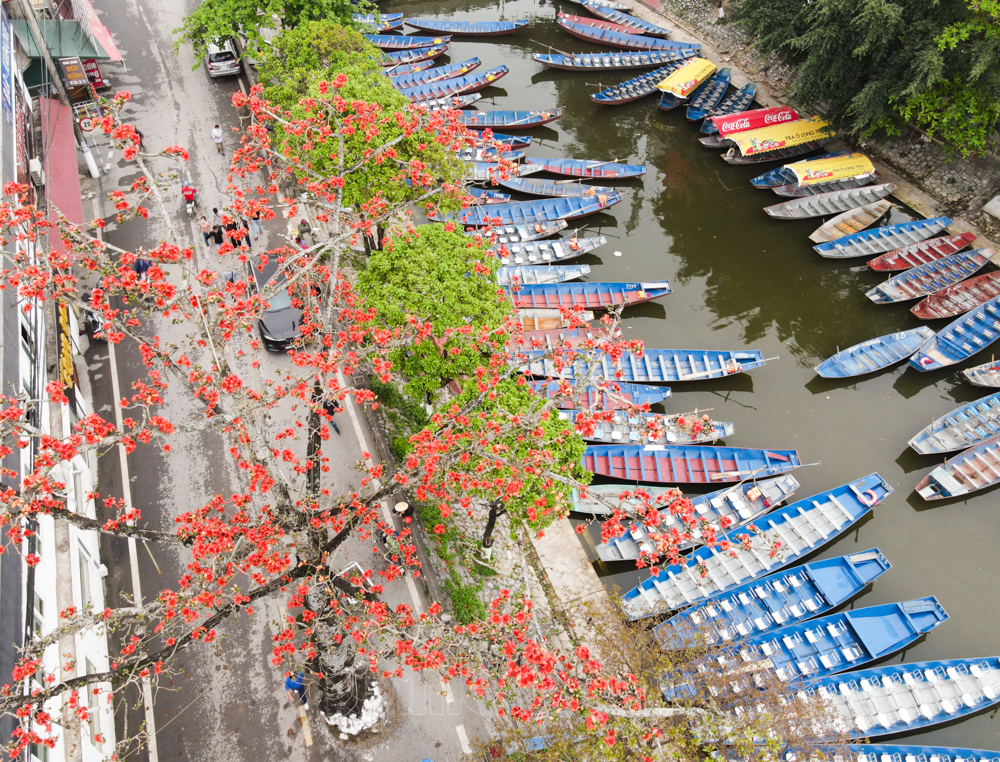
(921, 253)
(963, 427)
(468, 29)
(968, 335)
(684, 464)
(656, 366)
(612, 61)
(617, 396)
(509, 120)
(875, 354)
(882, 239)
(590, 296)
(972, 470)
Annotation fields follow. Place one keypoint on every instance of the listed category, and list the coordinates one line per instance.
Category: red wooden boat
(654, 5)
(562, 337)
(959, 298)
(588, 295)
(598, 24)
(921, 253)
(622, 395)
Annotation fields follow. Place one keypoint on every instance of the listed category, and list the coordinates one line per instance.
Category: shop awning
(684, 81)
(62, 174)
(64, 38)
(99, 33)
(788, 135)
(827, 170)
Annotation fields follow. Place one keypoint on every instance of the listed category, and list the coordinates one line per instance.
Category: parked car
(279, 323)
(221, 59)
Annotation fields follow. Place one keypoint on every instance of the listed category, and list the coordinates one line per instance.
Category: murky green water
(743, 280)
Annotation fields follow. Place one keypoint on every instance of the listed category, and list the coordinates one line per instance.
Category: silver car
(221, 59)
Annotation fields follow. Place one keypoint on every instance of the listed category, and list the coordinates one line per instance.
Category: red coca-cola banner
(752, 120)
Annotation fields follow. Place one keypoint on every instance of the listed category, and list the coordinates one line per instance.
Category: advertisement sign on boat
(754, 120)
(827, 170)
(684, 80)
(788, 135)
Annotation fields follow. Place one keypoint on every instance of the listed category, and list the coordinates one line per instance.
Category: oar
(550, 47)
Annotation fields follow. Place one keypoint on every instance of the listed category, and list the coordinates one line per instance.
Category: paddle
(552, 47)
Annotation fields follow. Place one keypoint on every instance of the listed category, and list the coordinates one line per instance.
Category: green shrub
(465, 600)
(400, 448)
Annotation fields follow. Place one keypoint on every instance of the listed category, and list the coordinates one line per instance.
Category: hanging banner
(753, 120)
(64, 353)
(684, 81)
(754, 142)
(6, 69)
(820, 171)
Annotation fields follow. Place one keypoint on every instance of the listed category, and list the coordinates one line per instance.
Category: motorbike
(93, 321)
(192, 204)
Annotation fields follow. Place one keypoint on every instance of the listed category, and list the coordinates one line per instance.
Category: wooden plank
(306, 730)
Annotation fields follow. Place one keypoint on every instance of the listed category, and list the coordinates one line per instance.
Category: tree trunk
(496, 511)
(313, 448)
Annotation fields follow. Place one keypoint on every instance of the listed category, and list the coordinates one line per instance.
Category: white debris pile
(372, 713)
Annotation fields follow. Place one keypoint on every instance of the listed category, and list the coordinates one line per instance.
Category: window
(38, 616)
(93, 704)
(79, 494)
(86, 595)
(39, 752)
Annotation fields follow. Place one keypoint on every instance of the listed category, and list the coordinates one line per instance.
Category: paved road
(227, 704)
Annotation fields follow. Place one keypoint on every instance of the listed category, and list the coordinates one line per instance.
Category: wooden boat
(959, 340)
(538, 252)
(959, 298)
(468, 83)
(846, 640)
(987, 374)
(656, 366)
(965, 426)
(550, 339)
(882, 239)
(395, 70)
(532, 275)
(796, 191)
(684, 464)
(531, 212)
(485, 171)
(510, 235)
(901, 698)
(488, 196)
(921, 253)
(487, 155)
(384, 22)
(670, 101)
(833, 202)
(615, 61)
(851, 221)
(591, 23)
(771, 602)
(633, 89)
(590, 295)
(447, 102)
(801, 528)
(604, 4)
(467, 28)
(552, 188)
(413, 56)
(734, 103)
(622, 40)
(548, 319)
(720, 126)
(425, 77)
(512, 141)
(629, 22)
(395, 42)
(710, 96)
(509, 120)
(930, 278)
(875, 354)
(972, 470)
(781, 154)
(782, 175)
(877, 751)
(635, 429)
(737, 505)
(606, 170)
(617, 396)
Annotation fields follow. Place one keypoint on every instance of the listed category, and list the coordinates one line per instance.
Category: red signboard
(753, 120)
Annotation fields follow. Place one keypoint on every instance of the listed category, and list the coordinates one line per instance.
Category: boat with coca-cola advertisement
(778, 142)
(960, 298)
(809, 178)
(545, 252)
(591, 296)
(619, 60)
(615, 396)
(718, 126)
(426, 76)
(633, 89)
(617, 39)
(851, 221)
(779, 176)
(833, 202)
(921, 253)
(930, 278)
(734, 103)
(626, 20)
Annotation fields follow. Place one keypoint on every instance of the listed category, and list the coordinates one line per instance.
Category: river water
(741, 279)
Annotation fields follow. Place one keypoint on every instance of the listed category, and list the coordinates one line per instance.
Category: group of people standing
(237, 229)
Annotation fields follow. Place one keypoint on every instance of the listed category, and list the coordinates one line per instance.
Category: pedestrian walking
(217, 137)
(141, 268)
(206, 230)
(331, 407)
(255, 226)
(217, 235)
(295, 687)
(245, 232)
(217, 218)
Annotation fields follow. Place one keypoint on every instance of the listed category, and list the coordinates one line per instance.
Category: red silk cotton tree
(281, 535)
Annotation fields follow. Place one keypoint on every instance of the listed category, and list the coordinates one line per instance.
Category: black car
(278, 324)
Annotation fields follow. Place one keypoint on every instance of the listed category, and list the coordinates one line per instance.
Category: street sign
(86, 124)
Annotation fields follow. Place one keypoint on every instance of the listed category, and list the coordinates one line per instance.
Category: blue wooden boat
(397, 42)
(783, 175)
(530, 212)
(537, 274)
(487, 155)
(617, 396)
(606, 170)
(847, 640)
(966, 426)
(708, 96)
(512, 235)
(801, 527)
(669, 101)
(875, 354)
(416, 55)
(486, 196)
(553, 188)
(394, 70)
(931, 277)
(605, 4)
(385, 22)
(634, 428)
(539, 252)
(426, 76)
(485, 171)
(686, 464)
(739, 505)
(588, 296)
(446, 88)
(734, 103)
(881, 752)
(769, 603)
(467, 28)
(657, 366)
(959, 340)
(881, 240)
(635, 25)
(509, 120)
(902, 698)
(970, 471)
(633, 89)
(448, 102)
(514, 141)
(622, 40)
(615, 61)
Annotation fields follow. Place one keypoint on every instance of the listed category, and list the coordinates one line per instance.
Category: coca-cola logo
(739, 124)
(781, 116)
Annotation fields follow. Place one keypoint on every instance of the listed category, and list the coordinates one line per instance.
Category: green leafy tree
(437, 281)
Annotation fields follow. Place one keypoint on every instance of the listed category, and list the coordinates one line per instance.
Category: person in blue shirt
(295, 687)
